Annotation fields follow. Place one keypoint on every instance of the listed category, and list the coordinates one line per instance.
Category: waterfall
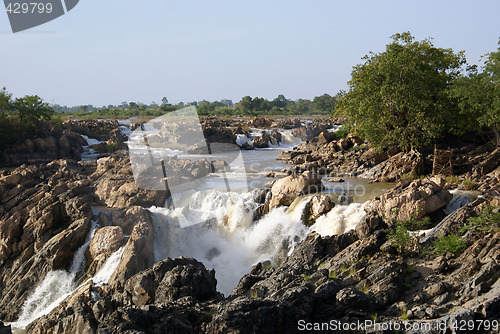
(227, 238)
(460, 198)
(60, 284)
(55, 287)
(340, 219)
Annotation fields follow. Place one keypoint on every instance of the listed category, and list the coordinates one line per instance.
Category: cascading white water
(226, 239)
(107, 269)
(340, 219)
(460, 198)
(59, 284)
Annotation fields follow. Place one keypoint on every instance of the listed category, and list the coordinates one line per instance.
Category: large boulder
(284, 191)
(106, 240)
(419, 198)
(170, 280)
(115, 186)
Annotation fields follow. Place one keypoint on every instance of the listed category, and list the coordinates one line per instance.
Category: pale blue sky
(106, 52)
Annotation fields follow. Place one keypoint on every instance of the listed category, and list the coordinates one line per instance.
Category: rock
(245, 315)
(127, 218)
(5, 329)
(261, 122)
(368, 225)
(287, 124)
(335, 179)
(105, 242)
(325, 137)
(50, 142)
(487, 165)
(115, 186)
(349, 298)
(319, 205)
(287, 189)
(170, 280)
(138, 254)
(44, 219)
(420, 198)
(397, 165)
(262, 141)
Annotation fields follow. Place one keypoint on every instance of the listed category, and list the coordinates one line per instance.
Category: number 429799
(32, 8)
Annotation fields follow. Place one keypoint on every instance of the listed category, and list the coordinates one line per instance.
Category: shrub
(468, 184)
(452, 243)
(488, 221)
(112, 147)
(402, 241)
(341, 133)
(452, 179)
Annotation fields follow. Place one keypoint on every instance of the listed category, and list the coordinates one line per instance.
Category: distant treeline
(324, 104)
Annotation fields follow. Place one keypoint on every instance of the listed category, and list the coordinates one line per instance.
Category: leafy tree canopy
(478, 94)
(30, 110)
(398, 97)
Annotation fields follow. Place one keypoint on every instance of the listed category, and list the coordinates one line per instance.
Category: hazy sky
(106, 52)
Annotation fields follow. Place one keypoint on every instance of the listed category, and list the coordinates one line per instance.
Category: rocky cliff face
(46, 214)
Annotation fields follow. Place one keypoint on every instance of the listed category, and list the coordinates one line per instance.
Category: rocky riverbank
(373, 272)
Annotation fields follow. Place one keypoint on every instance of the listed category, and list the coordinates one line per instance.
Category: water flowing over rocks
(105, 242)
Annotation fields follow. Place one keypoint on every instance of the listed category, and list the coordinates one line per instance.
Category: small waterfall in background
(460, 198)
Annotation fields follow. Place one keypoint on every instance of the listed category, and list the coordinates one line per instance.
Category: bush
(402, 241)
(452, 243)
(112, 147)
(468, 184)
(488, 221)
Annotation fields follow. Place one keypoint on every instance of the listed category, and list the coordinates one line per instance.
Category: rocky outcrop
(284, 191)
(261, 122)
(317, 206)
(418, 198)
(138, 254)
(49, 142)
(310, 131)
(115, 186)
(289, 123)
(170, 280)
(45, 216)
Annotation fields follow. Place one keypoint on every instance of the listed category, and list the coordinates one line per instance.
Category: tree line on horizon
(323, 104)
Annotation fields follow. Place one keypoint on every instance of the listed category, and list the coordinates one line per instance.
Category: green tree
(5, 101)
(398, 97)
(478, 96)
(324, 102)
(30, 110)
